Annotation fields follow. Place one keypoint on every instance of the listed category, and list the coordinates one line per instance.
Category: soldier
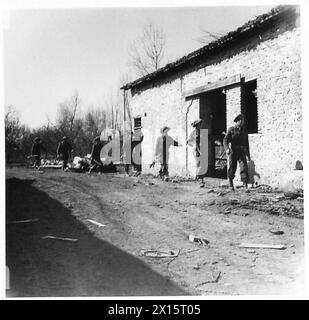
(236, 145)
(96, 162)
(132, 151)
(194, 141)
(163, 143)
(37, 147)
(63, 152)
(137, 139)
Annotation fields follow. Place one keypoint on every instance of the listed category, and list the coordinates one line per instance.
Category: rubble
(294, 195)
(80, 164)
(159, 253)
(264, 188)
(198, 240)
(214, 280)
(276, 232)
(251, 251)
(266, 203)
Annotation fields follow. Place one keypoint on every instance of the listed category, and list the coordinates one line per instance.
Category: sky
(49, 53)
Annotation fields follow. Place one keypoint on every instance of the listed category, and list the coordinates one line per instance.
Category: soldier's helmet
(165, 129)
(196, 123)
(239, 117)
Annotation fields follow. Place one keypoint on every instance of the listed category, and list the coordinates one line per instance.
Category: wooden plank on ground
(23, 221)
(262, 246)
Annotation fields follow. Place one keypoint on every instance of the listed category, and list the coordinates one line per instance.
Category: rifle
(97, 162)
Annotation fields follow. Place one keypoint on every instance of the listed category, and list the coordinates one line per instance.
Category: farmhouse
(255, 70)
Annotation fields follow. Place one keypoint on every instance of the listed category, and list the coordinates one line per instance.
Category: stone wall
(273, 58)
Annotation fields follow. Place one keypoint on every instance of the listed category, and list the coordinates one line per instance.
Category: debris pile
(284, 204)
(84, 164)
(54, 164)
(80, 164)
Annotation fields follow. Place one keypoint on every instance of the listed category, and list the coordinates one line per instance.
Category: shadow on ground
(89, 267)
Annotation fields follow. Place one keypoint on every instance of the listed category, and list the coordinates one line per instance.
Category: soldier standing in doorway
(195, 141)
(236, 144)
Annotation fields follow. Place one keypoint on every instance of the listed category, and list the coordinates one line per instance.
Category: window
(137, 123)
(249, 106)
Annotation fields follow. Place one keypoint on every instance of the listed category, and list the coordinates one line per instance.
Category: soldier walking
(64, 151)
(36, 149)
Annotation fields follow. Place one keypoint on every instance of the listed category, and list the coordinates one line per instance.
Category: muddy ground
(146, 213)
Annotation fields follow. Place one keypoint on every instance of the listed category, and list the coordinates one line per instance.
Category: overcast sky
(48, 53)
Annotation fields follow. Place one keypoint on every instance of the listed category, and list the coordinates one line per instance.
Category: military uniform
(238, 138)
(63, 151)
(195, 141)
(95, 154)
(163, 144)
(37, 147)
(132, 151)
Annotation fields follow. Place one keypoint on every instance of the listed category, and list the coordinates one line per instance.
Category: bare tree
(68, 121)
(147, 51)
(94, 121)
(17, 139)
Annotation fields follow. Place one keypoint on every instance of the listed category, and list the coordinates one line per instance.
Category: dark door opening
(249, 105)
(136, 144)
(213, 112)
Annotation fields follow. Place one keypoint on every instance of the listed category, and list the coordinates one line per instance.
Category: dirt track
(147, 213)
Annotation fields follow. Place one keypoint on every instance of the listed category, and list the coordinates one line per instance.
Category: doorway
(213, 112)
(137, 139)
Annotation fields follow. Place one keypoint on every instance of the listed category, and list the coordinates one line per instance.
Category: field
(146, 213)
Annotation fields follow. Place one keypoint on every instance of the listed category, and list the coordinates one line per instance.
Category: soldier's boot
(246, 187)
(231, 185)
(202, 183)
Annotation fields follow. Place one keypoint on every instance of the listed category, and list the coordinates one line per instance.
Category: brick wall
(274, 60)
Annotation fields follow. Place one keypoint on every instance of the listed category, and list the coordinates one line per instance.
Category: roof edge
(229, 37)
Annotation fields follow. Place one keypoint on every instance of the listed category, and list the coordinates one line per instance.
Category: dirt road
(146, 213)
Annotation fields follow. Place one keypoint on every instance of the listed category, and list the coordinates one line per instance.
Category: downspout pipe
(124, 111)
(124, 122)
(187, 137)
